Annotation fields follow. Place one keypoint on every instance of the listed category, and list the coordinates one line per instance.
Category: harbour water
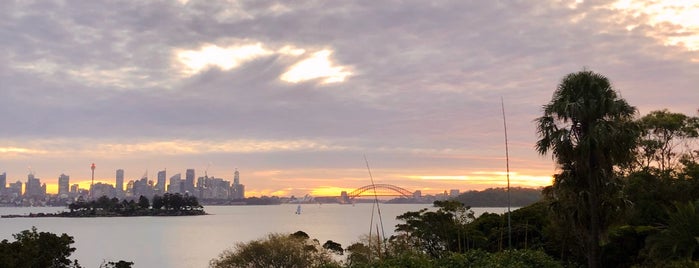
(191, 241)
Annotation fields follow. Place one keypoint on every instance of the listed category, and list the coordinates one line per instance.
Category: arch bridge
(398, 191)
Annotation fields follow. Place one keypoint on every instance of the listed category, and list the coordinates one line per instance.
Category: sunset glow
(497, 178)
(329, 191)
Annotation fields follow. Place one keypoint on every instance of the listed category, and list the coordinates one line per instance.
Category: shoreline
(108, 214)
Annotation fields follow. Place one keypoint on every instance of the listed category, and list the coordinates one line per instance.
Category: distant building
(417, 194)
(142, 187)
(33, 188)
(220, 188)
(162, 181)
(119, 185)
(175, 182)
(453, 192)
(201, 185)
(3, 182)
(237, 189)
(14, 189)
(344, 198)
(129, 188)
(442, 196)
(63, 185)
(188, 181)
(103, 189)
(74, 188)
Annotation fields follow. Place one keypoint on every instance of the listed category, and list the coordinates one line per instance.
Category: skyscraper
(63, 184)
(33, 187)
(236, 177)
(119, 181)
(162, 181)
(189, 182)
(3, 182)
(237, 189)
(174, 186)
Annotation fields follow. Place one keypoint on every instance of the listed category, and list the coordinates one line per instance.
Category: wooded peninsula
(166, 205)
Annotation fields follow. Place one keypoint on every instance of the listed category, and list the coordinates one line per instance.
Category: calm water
(193, 241)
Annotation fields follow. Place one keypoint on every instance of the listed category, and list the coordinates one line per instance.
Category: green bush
(276, 250)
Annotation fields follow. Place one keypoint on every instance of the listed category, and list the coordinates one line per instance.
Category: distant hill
(497, 197)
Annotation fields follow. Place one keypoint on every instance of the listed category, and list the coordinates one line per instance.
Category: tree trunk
(594, 203)
(593, 240)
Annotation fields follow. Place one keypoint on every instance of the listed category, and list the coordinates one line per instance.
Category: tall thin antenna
(507, 161)
(376, 199)
(92, 183)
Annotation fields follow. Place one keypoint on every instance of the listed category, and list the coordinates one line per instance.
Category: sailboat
(298, 210)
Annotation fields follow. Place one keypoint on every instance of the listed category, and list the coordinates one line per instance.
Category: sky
(296, 94)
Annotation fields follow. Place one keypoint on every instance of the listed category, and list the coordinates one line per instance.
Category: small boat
(298, 210)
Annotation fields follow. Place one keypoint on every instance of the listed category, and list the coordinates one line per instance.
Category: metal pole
(507, 161)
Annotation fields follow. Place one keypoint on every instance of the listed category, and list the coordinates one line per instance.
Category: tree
(167, 203)
(190, 202)
(436, 232)
(663, 132)
(173, 201)
(129, 206)
(157, 202)
(104, 203)
(276, 250)
(358, 254)
(679, 238)
(117, 264)
(507, 258)
(37, 249)
(334, 247)
(589, 131)
(143, 202)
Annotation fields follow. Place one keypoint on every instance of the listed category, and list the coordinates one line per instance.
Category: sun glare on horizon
(481, 180)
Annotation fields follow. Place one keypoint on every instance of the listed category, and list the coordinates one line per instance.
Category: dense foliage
(497, 197)
(166, 205)
(37, 249)
(33, 249)
(277, 251)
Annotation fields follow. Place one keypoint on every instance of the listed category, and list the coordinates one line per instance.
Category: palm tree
(679, 238)
(589, 131)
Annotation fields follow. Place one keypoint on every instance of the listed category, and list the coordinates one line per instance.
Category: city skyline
(295, 95)
(161, 182)
(33, 191)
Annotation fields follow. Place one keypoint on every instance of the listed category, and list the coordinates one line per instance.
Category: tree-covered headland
(626, 194)
(165, 205)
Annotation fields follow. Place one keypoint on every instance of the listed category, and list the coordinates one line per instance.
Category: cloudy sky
(295, 95)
